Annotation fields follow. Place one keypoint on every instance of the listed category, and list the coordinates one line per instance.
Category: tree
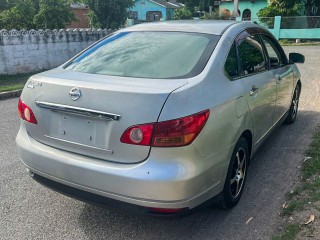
(281, 8)
(5, 5)
(284, 8)
(191, 5)
(16, 14)
(53, 14)
(182, 13)
(200, 5)
(236, 8)
(27, 14)
(312, 8)
(108, 13)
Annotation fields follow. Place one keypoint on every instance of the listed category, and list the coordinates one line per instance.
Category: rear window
(147, 55)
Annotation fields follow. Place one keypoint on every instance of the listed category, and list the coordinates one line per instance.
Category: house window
(133, 15)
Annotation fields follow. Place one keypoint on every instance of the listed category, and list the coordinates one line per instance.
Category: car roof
(215, 27)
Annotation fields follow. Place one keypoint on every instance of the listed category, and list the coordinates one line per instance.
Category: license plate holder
(79, 130)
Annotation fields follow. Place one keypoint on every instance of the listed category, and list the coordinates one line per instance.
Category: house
(81, 13)
(154, 10)
(248, 8)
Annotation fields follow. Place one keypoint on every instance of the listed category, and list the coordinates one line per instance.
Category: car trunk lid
(103, 108)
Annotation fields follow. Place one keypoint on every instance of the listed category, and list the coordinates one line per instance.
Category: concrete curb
(10, 94)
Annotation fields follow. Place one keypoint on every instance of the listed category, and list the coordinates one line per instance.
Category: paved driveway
(30, 211)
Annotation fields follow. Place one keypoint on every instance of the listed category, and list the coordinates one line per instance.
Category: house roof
(166, 4)
(78, 6)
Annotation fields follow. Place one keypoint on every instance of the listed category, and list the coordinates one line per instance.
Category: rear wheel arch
(299, 84)
(236, 175)
(247, 135)
(293, 110)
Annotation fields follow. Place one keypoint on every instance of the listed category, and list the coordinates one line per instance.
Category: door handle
(253, 90)
(278, 78)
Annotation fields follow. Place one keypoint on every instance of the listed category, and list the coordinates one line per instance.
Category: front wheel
(236, 175)
(293, 111)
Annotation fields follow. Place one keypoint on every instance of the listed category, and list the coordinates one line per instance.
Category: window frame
(238, 76)
(251, 32)
(134, 15)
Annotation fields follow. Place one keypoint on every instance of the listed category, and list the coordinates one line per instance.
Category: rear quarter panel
(229, 113)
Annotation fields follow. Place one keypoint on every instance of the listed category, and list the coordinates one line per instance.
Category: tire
(236, 176)
(293, 111)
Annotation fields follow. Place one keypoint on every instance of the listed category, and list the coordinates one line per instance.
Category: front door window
(251, 55)
(283, 76)
(259, 84)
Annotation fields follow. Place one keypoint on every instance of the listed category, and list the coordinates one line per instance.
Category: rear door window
(231, 66)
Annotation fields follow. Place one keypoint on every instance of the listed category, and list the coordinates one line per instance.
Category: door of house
(154, 16)
(246, 16)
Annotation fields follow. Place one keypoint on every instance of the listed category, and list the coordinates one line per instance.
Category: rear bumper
(104, 201)
(167, 179)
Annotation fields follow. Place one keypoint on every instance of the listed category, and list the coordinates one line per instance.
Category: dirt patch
(301, 211)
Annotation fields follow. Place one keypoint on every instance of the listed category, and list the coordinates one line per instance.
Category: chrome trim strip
(79, 111)
(70, 143)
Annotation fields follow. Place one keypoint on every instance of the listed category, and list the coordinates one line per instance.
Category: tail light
(25, 113)
(172, 133)
(138, 135)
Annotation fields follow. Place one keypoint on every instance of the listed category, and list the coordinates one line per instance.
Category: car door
(282, 73)
(258, 82)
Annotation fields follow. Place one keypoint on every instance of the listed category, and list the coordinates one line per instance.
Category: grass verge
(14, 82)
(291, 42)
(305, 198)
(289, 233)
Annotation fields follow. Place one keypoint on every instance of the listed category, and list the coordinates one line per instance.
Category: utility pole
(235, 8)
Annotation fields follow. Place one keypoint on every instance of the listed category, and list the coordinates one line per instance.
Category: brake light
(179, 132)
(25, 113)
(172, 133)
(138, 135)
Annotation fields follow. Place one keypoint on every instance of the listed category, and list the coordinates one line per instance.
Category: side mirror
(296, 58)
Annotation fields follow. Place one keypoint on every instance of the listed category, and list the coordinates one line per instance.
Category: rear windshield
(147, 55)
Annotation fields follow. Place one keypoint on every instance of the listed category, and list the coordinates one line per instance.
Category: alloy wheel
(295, 102)
(238, 172)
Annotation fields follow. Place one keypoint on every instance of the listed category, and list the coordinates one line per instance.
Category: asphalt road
(30, 211)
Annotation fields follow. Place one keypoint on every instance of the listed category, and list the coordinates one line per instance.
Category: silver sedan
(159, 118)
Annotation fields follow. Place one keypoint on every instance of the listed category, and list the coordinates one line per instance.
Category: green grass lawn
(292, 42)
(14, 82)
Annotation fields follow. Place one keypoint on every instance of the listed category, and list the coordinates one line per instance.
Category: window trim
(238, 76)
(251, 32)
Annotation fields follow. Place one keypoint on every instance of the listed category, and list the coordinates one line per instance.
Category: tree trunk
(235, 8)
